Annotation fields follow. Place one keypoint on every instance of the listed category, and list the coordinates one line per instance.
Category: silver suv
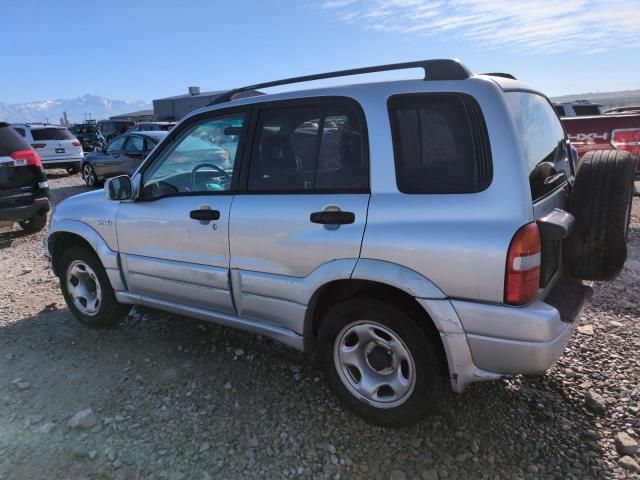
(415, 233)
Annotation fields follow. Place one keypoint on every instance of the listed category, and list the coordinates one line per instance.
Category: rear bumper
(509, 340)
(74, 161)
(16, 214)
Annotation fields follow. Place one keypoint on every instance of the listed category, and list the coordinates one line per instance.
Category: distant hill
(39, 111)
(607, 99)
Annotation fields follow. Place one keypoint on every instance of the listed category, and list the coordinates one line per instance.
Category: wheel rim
(89, 176)
(84, 288)
(374, 364)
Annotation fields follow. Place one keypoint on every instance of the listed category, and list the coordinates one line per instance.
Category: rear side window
(440, 143)
(51, 134)
(543, 141)
(11, 141)
(308, 149)
(559, 110)
(21, 131)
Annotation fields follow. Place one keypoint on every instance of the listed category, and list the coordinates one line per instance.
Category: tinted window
(51, 134)
(440, 144)
(148, 145)
(117, 145)
(543, 141)
(10, 141)
(308, 149)
(21, 131)
(586, 110)
(559, 110)
(203, 160)
(135, 144)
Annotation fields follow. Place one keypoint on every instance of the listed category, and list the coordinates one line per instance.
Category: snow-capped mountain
(76, 108)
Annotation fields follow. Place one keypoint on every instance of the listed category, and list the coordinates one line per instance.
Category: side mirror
(119, 188)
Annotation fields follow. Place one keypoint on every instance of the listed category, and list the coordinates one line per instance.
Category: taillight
(75, 144)
(38, 145)
(522, 277)
(627, 139)
(29, 156)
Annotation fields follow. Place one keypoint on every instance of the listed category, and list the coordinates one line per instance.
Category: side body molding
(397, 276)
(108, 257)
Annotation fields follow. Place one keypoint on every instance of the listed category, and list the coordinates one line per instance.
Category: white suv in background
(56, 145)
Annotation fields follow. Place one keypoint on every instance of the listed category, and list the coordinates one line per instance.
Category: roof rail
(437, 69)
(500, 74)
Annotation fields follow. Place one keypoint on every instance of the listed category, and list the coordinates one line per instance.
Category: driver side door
(174, 239)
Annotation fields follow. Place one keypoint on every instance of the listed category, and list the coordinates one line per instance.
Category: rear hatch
(21, 176)
(55, 143)
(550, 165)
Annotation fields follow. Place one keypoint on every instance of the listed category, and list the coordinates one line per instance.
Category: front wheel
(87, 291)
(379, 362)
(89, 175)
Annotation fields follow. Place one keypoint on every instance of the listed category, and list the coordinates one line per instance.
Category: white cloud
(544, 26)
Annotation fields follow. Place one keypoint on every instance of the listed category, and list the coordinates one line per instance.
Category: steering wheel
(194, 183)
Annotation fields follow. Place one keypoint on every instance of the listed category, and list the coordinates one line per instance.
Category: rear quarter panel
(457, 241)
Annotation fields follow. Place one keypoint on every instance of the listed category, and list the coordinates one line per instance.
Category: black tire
(89, 176)
(600, 201)
(110, 312)
(35, 223)
(430, 372)
(73, 170)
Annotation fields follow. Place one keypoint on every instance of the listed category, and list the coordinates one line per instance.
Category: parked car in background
(89, 137)
(24, 191)
(112, 128)
(616, 129)
(55, 144)
(479, 231)
(152, 126)
(121, 156)
(577, 108)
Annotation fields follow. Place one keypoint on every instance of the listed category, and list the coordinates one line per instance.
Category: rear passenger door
(303, 205)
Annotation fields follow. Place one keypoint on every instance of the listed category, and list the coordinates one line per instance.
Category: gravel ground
(169, 397)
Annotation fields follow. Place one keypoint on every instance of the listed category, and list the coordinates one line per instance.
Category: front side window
(117, 145)
(440, 143)
(543, 141)
(307, 150)
(135, 144)
(203, 160)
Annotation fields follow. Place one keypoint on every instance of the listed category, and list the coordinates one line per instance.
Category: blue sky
(140, 50)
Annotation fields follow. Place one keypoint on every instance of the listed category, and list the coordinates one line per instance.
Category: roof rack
(500, 74)
(437, 69)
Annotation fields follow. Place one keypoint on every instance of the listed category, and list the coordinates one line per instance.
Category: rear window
(440, 143)
(543, 141)
(11, 141)
(582, 110)
(51, 134)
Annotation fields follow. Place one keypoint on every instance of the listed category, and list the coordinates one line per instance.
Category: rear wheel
(35, 223)
(89, 175)
(601, 203)
(379, 362)
(87, 290)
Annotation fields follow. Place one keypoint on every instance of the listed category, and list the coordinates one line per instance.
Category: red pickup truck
(618, 129)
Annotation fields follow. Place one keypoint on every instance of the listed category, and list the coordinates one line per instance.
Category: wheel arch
(69, 233)
(337, 291)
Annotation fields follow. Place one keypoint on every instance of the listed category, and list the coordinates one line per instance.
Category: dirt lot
(174, 398)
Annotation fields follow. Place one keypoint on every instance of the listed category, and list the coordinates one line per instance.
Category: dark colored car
(112, 128)
(24, 191)
(121, 156)
(152, 126)
(89, 136)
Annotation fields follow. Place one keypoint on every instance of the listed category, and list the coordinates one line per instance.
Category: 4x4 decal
(588, 137)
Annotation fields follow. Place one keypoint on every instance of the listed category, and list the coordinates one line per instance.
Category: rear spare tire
(600, 201)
